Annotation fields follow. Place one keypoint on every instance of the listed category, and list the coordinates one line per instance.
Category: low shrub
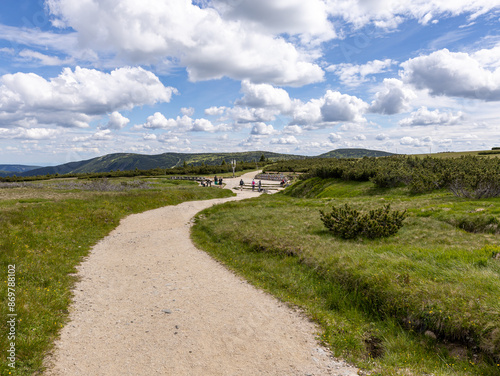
(478, 224)
(348, 223)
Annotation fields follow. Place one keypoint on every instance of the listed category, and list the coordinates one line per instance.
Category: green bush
(348, 223)
(478, 224)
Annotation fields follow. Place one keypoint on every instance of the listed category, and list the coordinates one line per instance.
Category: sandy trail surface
(150, 303)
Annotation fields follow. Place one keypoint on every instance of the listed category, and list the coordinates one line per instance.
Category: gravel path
(150, 303)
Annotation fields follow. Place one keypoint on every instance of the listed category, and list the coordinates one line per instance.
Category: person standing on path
(260, 185)
(253, 185)
(242, 183)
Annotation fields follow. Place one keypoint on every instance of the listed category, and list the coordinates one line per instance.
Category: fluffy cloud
(381, 137)
(359, 137)
(101, 135)
(292, 129)
(262, 129)
(425, 117)
(208, 45)
(159, 121)
(188, 111)
(264, 96)
(393, 98)
(245, 115)
(354, 75)
(183, 124)
(74, 97)
(332, 108)
(215, 111)
(307, 113)
(204, 125)
(339, 107)
(308, 20)
(288, 140)
(117, 121)
(334, 137)
(416, 142)
(456, 74)
(28, 134)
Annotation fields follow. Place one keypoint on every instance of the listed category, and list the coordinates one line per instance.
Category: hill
(354, 153)
(11, 169)
(130, 161)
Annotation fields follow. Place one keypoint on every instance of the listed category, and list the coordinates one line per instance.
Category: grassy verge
(45, 231)
(422, 302)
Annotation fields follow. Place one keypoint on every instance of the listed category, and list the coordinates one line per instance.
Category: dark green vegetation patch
(349, 223)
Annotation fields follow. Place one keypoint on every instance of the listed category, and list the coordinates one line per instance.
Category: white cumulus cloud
(262, 129)
(456, 74)
(288, 140)
(425, 117)
(74, 97)
(354, 75)
(117, 121)
(264, 95)
(198, 38)
(394, 98)
(342, 107)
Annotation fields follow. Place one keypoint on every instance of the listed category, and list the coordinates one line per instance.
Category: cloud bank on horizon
(82, 78)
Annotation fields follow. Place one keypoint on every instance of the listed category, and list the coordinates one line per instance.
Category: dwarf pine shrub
(348, 223)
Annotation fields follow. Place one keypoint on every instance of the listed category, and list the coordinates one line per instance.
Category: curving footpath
(150, 303)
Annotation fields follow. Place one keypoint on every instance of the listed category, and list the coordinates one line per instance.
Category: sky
(85, 78)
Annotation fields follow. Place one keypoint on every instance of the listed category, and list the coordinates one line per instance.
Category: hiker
(242, 183)
(253, 185)
(215, 179)
(220, 181)
(260, 185)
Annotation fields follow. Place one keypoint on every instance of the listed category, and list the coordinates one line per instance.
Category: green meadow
(422, 302)
(47, 228)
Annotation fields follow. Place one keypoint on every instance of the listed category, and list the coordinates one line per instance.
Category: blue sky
(84, 78)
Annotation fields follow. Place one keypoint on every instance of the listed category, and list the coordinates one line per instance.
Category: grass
(422, 302)
(46, 230)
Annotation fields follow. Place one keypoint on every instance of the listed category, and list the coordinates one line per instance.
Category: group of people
(242, 183)
(208, 182)
(218, 181)
(253, 185)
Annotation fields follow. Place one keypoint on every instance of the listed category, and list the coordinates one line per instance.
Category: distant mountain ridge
(8, 169)
(130, 161)
(354, 153)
